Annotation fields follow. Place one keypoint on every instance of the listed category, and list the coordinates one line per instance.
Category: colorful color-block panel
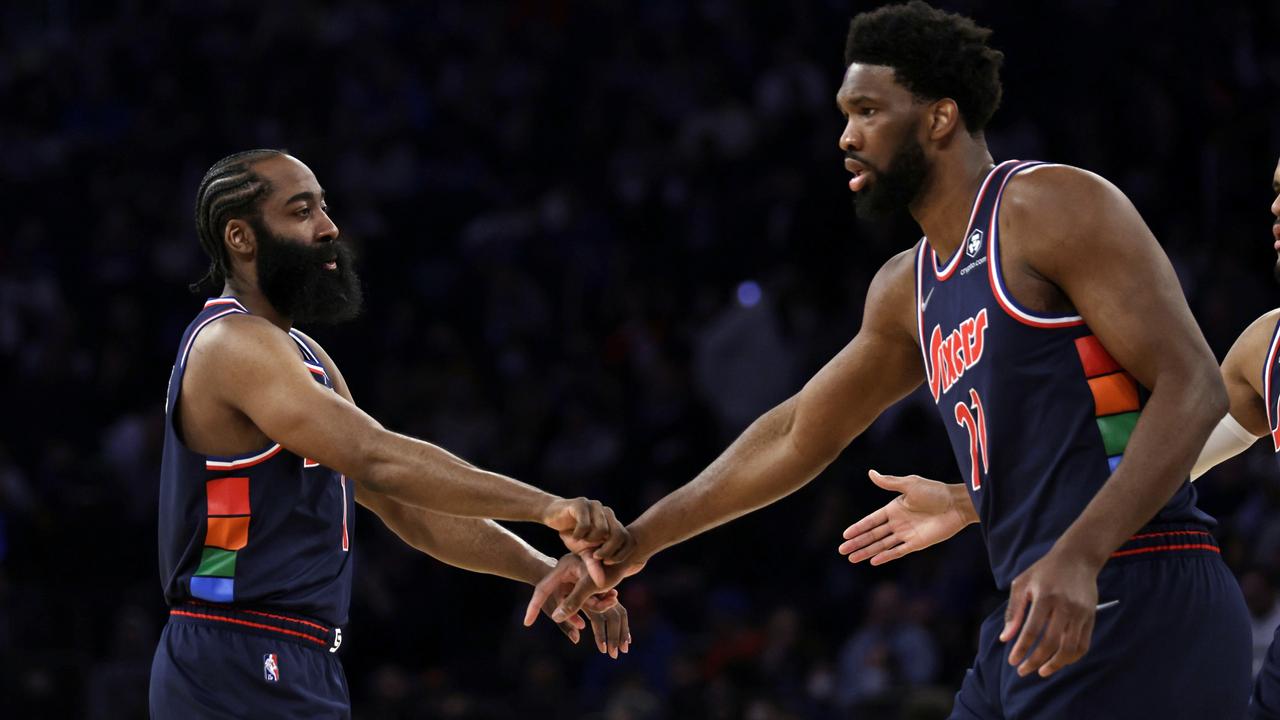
(1116, 430)
(1114, 462)
(228, 533)
(1114, 393)
(216, 562)
(213, 589)
(228, 496)
(1095, 358)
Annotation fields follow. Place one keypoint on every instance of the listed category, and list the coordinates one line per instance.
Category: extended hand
(925, 513)
(586, 524)
(1062, 590)
(608, 617)
(572, 584)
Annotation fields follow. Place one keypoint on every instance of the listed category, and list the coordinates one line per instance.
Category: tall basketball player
(1077, 390)
(927, 512)
(266, 453)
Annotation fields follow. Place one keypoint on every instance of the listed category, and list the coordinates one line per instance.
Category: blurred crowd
(598, 239)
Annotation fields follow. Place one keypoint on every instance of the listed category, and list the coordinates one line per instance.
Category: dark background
(558, 204)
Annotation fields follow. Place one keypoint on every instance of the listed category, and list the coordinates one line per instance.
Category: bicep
(1242, 372)
(1121, 282)
(261, 376)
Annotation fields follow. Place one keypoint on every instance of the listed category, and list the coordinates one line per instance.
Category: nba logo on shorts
(270, 668)
(974, 243)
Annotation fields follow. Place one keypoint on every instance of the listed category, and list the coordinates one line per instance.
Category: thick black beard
(292, 277)
(896, 187)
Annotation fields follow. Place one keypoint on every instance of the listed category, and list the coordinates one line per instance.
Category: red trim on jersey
(954, 262)
(246, 623)
(1144, 536)
(273, 616)
(224, 301)
(1164, 548)
(993, 259)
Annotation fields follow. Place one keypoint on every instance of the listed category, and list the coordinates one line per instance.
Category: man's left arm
(1081, 234)
(483, 546)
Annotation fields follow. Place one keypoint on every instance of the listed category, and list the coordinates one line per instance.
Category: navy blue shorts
(208, 665)
(1176, 646)
(1265, 704)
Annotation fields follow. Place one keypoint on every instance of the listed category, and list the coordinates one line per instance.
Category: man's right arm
(789, 445)
(257, 373)
(1242, 371)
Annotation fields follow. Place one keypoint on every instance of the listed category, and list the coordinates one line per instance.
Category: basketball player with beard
(1054, 339)
(266, 453)
(926, 512)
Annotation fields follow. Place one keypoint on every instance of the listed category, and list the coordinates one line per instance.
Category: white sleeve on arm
(1228, 439)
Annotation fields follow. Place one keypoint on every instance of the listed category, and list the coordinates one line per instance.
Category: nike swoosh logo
(925, 303)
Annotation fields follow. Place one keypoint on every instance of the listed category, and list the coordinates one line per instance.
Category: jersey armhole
(995, 273)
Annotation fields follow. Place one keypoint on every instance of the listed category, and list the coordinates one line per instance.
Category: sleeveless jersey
(1037, 411)
(264, 529)
(1271, 386)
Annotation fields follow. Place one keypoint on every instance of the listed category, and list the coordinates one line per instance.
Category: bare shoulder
(245, 348)
(1060, 200)
(1247, 359)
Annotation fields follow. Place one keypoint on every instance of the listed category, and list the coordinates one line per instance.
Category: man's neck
(255, 302)
(948, 196)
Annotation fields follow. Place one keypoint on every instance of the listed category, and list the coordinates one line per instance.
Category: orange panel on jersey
(228, 533)
(1095, 358)
(1114, 393)
(228, 496)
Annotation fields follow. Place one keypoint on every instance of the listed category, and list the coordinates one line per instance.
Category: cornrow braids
(228, 190)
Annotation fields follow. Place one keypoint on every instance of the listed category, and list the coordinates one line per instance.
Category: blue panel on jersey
(1113, 461)
(214, 589)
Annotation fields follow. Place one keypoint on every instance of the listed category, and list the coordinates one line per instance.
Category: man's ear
(943, 119)
(240, 239)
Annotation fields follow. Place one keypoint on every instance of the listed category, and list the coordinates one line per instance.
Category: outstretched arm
(789, 445)
(484, 546)
(257, 373)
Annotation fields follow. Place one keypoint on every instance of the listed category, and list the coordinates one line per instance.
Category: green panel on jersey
(216, 562)
(1116, 430)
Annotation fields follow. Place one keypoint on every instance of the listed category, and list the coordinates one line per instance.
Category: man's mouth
(1275, 231)
(331, 265)
(860, 174)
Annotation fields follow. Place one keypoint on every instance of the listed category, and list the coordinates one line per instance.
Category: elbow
(1216, 401)
(1203, 390)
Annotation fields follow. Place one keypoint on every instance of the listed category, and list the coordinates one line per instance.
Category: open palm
(924, 513)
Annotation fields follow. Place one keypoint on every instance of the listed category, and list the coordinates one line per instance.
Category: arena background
(598, 239)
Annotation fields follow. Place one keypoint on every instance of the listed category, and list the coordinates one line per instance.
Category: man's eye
(868, 112)
(304, 212)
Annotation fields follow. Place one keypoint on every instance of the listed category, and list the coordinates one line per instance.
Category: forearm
(761, 466)
(1164, 444)
(423, 475)
(474, 544)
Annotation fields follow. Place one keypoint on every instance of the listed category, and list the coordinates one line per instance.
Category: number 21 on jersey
(974, 420)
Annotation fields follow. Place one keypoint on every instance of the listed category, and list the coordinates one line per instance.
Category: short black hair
(230, 189)
(934, 54)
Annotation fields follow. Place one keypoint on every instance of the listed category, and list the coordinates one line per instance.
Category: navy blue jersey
(1037, 411)
(264, 529)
